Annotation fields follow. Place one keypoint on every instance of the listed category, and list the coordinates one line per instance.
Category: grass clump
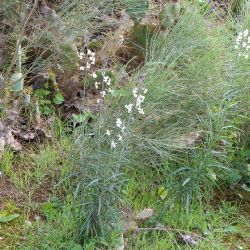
(189, 90)
(166, 140)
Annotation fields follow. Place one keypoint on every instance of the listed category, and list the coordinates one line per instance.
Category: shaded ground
(9, 192)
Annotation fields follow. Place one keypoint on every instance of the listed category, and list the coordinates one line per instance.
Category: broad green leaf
(170, 13)
(80, 118)
(45, 102)
(69, 57)
(41, 93)
(58, 98)
(8, 218)
(162, 192)
(17, 82)
(47, 110)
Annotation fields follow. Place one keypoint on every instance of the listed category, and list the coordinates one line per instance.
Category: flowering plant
(243, 44)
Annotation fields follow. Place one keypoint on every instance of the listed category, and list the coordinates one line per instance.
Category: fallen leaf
(12, 117)
(27, 136)
(11, 141)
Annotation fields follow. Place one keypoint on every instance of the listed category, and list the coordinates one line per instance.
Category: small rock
(192, 240)
(145, 214)
(159, 225)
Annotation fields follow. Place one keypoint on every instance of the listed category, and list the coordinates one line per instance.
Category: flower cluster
(139, 99)
(243, 43)
(105, 85)
(91, 59)
(120, 126)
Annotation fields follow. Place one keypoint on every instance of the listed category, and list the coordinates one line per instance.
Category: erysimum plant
(101, 152)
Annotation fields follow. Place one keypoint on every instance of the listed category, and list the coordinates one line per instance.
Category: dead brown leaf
(11, 141)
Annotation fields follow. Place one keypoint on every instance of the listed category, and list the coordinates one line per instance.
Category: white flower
(119, 137)
(245, 33)
(140, 99)
(92, 60)
(37, 217)
(244, 45)
(82, 68)
(118, 123)
(111, 91)
(123, 129)
(28, 223)
(107, 80)
(108, 132)
(89, 52)
(246, 56)
(81, 55)
(135, 91)
(113, 144)
(94, 75)
(239, 38)
(103, 93)
(97, 85)
(129, 107)
(88, 66)
(141, 111)
(145, 91)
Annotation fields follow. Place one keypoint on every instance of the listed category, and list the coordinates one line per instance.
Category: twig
(167, 229)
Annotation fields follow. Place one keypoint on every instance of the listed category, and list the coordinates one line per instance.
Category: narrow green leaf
(8, 218)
